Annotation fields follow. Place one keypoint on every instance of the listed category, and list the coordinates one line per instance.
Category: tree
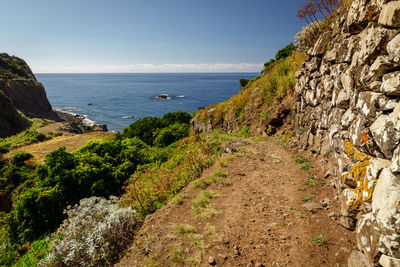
(243, 82)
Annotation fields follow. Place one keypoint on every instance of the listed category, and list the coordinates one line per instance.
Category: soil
(259, 218)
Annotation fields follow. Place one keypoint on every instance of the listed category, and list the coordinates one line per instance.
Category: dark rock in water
(90, 104)
(163, 96)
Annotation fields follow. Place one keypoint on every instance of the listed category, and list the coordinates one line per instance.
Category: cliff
(11, 121)
(23, 92)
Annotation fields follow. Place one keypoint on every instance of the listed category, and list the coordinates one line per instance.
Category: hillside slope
(262, 105)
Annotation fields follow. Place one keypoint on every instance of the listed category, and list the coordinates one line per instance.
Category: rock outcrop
(11, 121)
(19, 90)
(348, 110)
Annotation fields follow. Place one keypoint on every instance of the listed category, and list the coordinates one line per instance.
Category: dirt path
(252, 217)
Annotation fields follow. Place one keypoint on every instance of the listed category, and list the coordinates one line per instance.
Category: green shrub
(36, 252)
(243, 82)
(285, 52)
(20, 158)
(171, 134)
(148, 128)
(32, 136)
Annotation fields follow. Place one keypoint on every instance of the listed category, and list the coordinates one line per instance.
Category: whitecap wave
(83, 117)
(129, 117)
(180, 96)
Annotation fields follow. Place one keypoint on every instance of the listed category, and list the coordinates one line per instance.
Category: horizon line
(201, 72)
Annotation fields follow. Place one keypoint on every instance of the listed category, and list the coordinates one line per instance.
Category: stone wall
(348, 110)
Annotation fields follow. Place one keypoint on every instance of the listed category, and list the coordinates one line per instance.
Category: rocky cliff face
(10, 121)
(348, 110)
(23, 92)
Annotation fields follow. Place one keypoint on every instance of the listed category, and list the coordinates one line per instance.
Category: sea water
(117, 100)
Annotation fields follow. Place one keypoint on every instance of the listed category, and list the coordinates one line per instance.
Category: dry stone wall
(348, 110)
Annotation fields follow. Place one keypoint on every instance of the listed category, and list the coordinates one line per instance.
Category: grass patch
(301, 189)
(177, 255)
(303, 216)
(306, 167)
(307, 198)
(151, 261)
(225, 162)
(301, 160)
(210, 230)
(26, 137)
(185, 229)
(243, 156)
(214, 178)
(310, 182)
(179, 199)
(202, 206)
(319, 238)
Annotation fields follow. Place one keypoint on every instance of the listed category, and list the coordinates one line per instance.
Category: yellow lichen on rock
(364, 185)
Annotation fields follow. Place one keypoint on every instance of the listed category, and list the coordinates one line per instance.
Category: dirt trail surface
(256, 207)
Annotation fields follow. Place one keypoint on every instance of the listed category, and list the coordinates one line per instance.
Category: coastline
(78, 123)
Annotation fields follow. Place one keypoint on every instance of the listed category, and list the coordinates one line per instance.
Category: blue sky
(67, 36)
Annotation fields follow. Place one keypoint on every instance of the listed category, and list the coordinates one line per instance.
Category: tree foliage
(100, 168)
(243, 82)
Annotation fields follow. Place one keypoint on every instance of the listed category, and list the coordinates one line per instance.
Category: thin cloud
(152, 68)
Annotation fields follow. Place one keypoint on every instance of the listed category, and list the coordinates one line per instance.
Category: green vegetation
(271, 88)
(177, 255)
(301, 160)
(310, 182)
(307, 198)
(16, 66)
(21, 79)
(306, 167)
(319, 238)
(185, 229)
(153, 184)
(179, 199)
(27, 137)
(40, 194)
(203, 207)
(243, 82)
(160, 131)
(281, 54)
(214, 178)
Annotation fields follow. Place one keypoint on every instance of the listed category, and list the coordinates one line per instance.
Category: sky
(128, 36)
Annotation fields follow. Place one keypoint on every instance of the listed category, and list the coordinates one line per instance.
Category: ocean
(117, 100)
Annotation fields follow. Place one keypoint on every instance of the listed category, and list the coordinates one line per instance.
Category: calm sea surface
(119, 99)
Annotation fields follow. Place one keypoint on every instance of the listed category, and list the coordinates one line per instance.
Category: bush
(281, 54)
(171, 134)
(285, 52)
(20, 158)
(243, 82)
(95, 233)
(147, 129)
(35, 253)
(32, 136)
